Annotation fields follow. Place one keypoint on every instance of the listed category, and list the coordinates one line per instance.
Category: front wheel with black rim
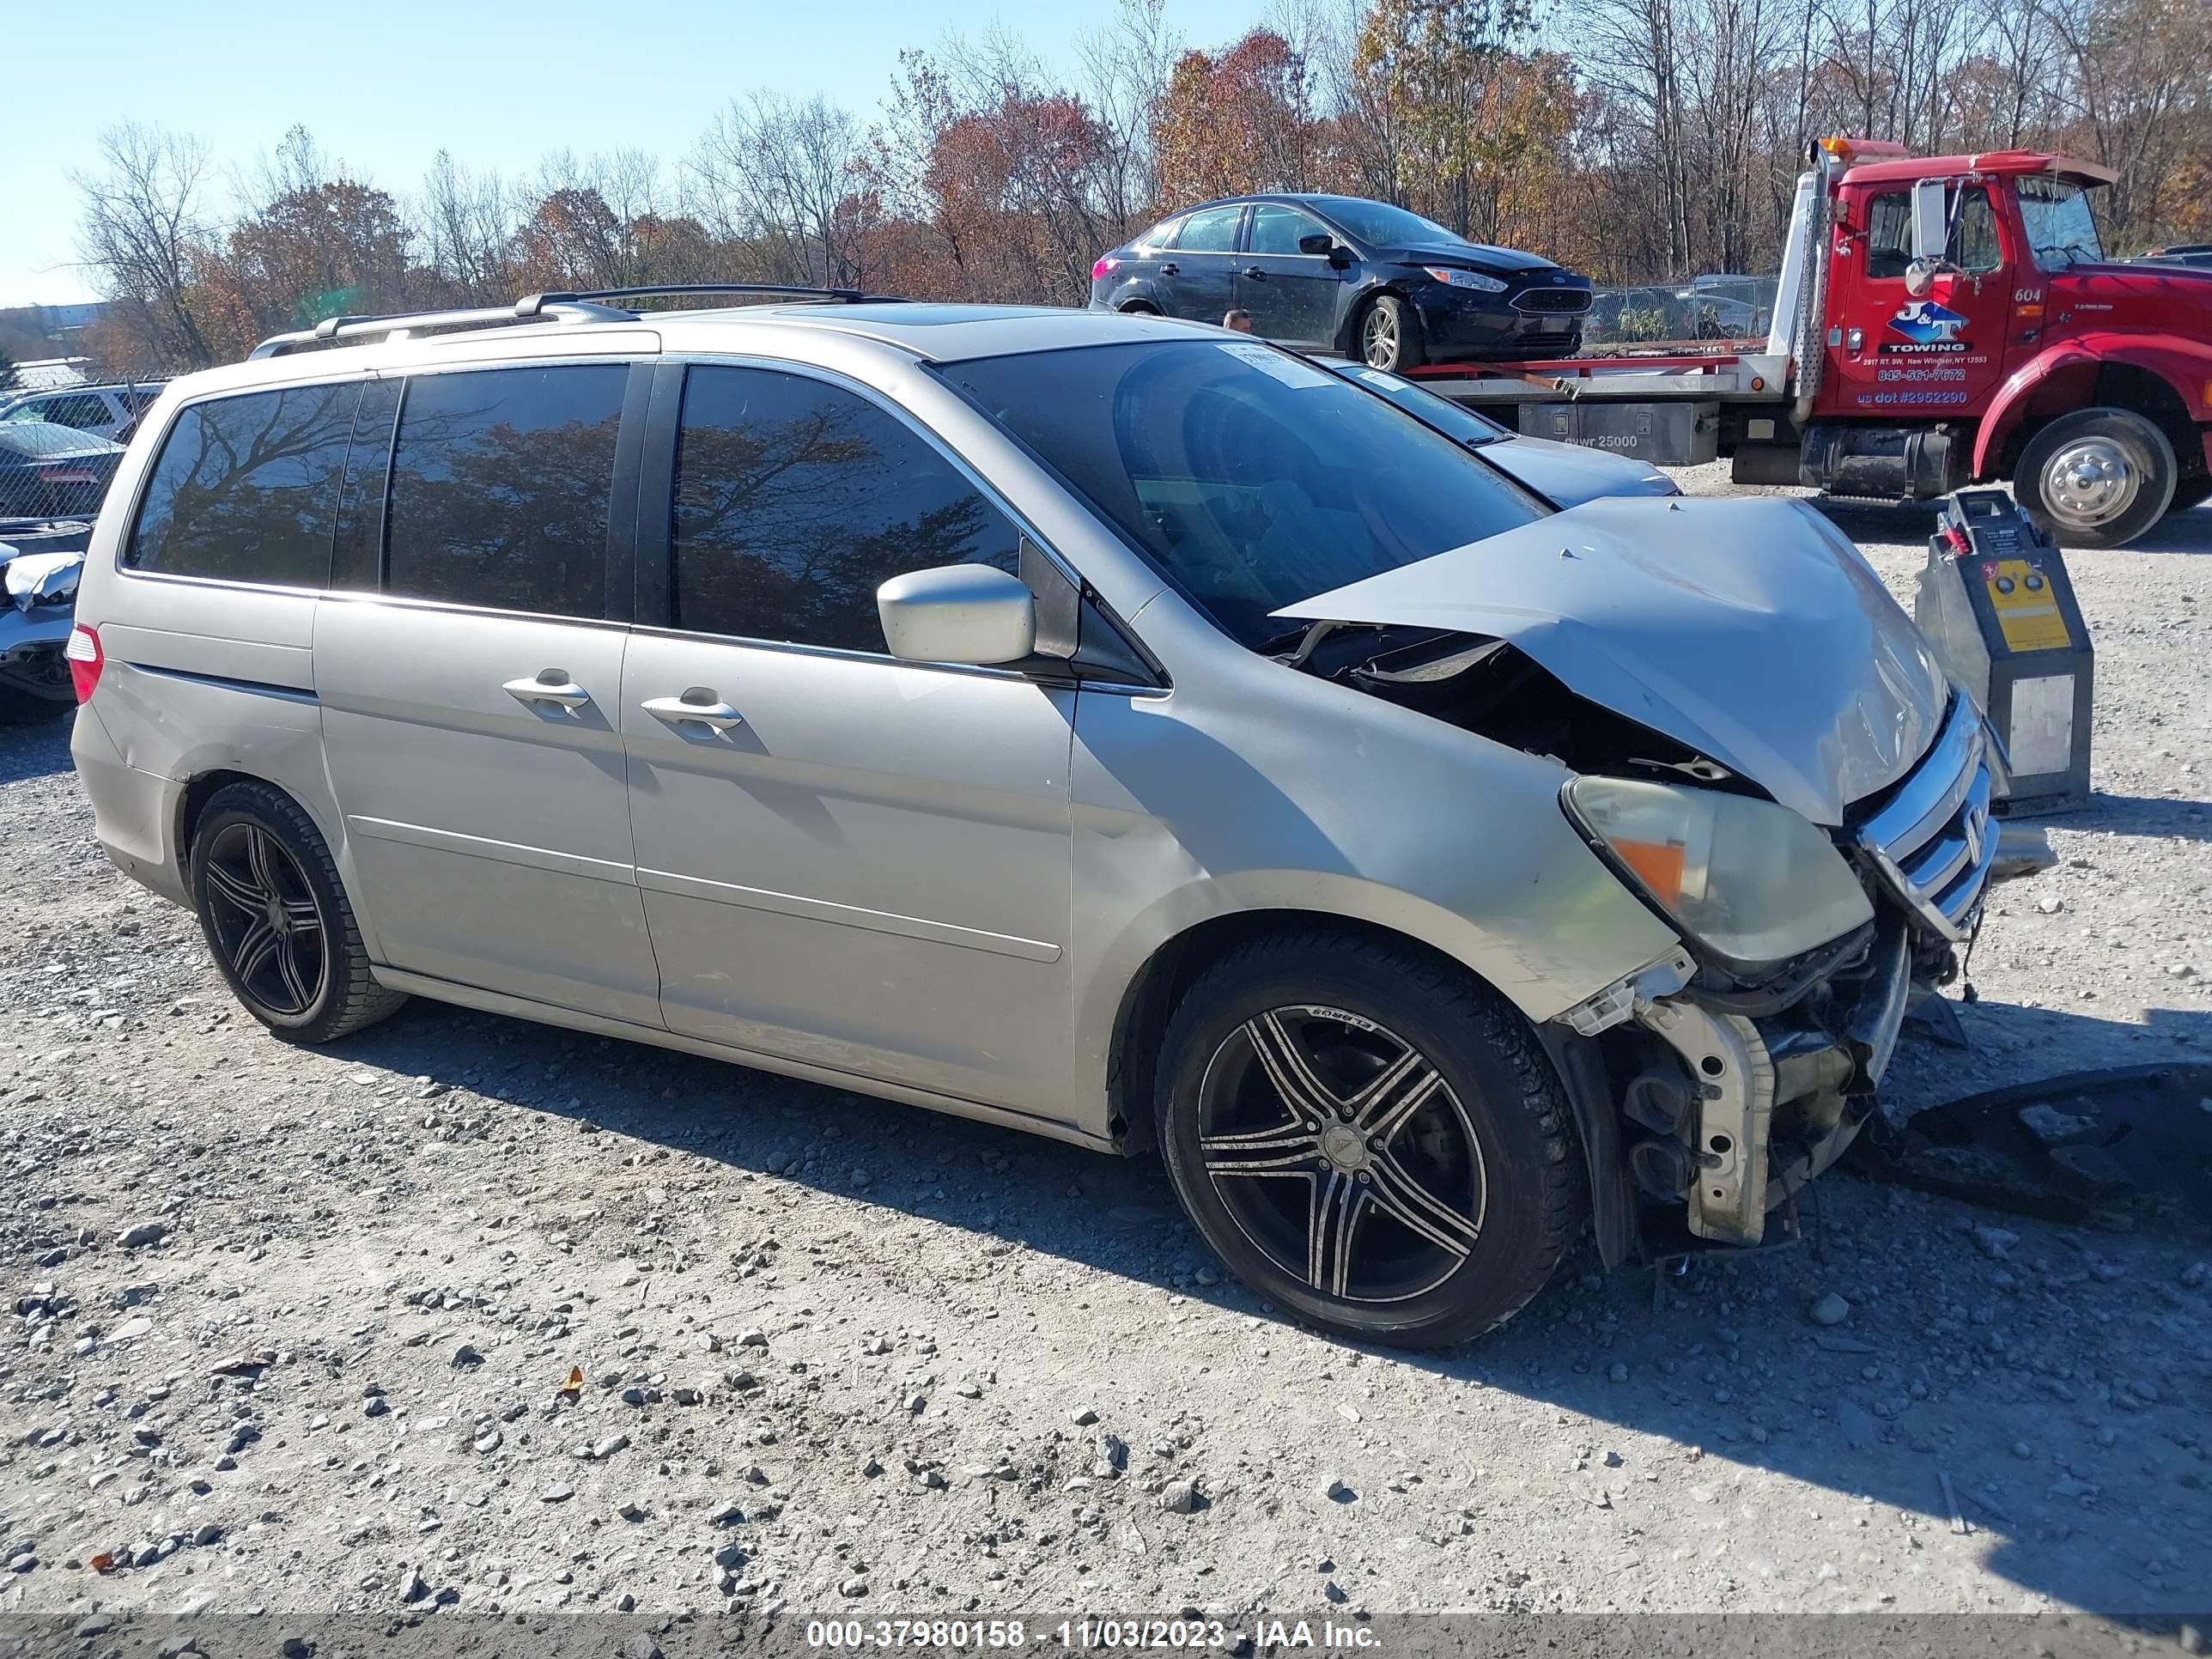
(1371, 1140)
(277, 919)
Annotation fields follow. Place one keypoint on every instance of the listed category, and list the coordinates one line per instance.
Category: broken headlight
(1754, 882)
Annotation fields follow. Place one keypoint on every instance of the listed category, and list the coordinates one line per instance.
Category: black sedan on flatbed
(1343, 274)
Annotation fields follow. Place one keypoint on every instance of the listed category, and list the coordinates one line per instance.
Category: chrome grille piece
(1932, 839)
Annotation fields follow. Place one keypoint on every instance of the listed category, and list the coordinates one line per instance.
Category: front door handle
(1256, 273)
(552, 685)
(1169, 269)
(699, 704)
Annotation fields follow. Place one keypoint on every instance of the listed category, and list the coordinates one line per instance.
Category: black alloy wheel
(276, 918)
(1368, 1136)
(264, 920)
(1342, 1153)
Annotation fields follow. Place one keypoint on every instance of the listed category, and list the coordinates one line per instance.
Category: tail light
(85, 659)
(66, 475)
(1103, 267)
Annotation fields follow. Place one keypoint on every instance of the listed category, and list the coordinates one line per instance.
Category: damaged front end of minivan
(1765, 751)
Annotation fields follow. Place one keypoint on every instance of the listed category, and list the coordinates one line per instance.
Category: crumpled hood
(1752, 631)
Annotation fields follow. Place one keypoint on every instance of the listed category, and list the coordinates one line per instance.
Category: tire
(2097, 477)
(306, 977)
(1475, 1192)
(1389, 335)
(1141, 308)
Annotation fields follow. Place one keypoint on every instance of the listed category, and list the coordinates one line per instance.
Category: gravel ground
(473, 1314)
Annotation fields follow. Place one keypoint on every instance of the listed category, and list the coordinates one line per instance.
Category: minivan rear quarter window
(500, 486)
(246, 488)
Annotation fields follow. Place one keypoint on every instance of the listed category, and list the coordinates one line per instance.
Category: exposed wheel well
(1152, 996)
(1141, 308)
(191, 806)
(2114, 386)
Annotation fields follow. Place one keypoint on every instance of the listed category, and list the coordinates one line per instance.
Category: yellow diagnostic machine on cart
(1996, 602)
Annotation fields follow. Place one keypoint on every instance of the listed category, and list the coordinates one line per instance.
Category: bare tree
(468, 226)
(1126, 65)
(144, 230)
(775, 171)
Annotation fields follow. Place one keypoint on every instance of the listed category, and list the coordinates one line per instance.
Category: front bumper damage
(38, 599)
(1729, 1098)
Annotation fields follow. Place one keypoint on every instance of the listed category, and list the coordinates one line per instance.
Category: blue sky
(384, 86)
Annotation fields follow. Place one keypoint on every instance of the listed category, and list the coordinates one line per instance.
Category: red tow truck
(1938, 320)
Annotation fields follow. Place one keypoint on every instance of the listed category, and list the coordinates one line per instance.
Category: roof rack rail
(794, 290)
(536, 308)
(586, 306)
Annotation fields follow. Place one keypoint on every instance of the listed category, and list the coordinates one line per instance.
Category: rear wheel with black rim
(276, 919)
(1370, 1140)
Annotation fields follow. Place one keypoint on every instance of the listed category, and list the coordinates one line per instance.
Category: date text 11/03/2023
(1089, 1635)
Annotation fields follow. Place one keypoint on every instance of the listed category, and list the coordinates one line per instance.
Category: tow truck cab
(1973, 328)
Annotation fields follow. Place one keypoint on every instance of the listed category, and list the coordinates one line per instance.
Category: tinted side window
(499, 480)
(1213, 231)
(796, 500)
(247, 489)
(1276, 228)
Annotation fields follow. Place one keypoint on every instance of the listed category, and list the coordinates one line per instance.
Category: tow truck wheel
(2097, 477)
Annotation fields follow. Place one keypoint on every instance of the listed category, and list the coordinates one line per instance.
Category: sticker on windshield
(1377, 377)
(1286, 368)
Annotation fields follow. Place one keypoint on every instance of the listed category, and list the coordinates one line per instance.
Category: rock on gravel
(1180, 1498)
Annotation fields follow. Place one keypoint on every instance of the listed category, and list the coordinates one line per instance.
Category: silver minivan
(1096, 725)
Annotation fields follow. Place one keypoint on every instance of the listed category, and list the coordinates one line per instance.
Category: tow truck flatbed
(1741, 377)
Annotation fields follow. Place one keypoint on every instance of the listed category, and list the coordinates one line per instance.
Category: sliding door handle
(698, 705)
(553, 685)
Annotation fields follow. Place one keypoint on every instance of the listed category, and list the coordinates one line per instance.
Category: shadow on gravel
(2008, 1391)
(2139, 815)
(35, 750)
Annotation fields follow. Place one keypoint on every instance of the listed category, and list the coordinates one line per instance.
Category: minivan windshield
(1250, 478)
(2060, 228)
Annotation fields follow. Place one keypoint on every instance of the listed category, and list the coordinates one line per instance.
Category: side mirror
(1931, 223)
(961, 613)
(1319, 241)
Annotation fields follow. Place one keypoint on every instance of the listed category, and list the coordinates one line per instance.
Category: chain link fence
(1706, 313)
(59, 447)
